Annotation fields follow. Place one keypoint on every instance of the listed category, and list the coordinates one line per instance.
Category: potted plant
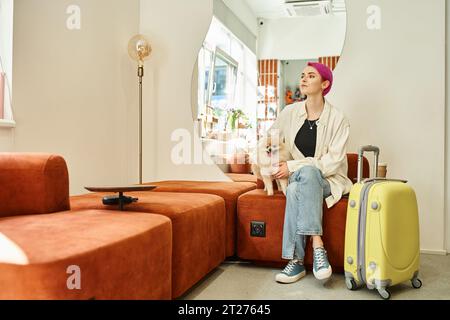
(234, 115)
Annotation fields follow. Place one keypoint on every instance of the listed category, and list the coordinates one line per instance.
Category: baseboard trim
(435, 252)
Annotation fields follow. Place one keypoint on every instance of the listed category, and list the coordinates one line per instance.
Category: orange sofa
(257, 206)
(157, 249)
(50, 252)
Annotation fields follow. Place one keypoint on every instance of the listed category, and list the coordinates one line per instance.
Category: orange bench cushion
(121, 256)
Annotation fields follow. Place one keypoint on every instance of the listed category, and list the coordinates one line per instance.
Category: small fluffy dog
(270, 150)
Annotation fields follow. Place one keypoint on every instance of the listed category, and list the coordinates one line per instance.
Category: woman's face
(311, 82)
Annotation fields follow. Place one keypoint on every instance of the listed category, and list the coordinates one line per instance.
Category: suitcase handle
(368, 148)
(384, 179)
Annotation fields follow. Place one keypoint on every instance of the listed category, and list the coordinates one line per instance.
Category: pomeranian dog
(269, 151)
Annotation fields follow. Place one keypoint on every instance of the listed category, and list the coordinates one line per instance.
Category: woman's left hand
(283, 171)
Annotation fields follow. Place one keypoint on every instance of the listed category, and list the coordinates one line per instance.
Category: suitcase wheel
(350, 283)
(384, 293)
(416, 283)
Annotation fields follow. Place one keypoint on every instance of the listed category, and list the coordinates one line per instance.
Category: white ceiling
(273, 9)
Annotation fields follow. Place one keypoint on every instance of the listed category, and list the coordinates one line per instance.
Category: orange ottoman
(198, 220)
(242, 177)
(119, 256)
(256, 206)
(229, 191)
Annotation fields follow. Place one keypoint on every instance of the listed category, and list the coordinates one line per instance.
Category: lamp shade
(139, 48)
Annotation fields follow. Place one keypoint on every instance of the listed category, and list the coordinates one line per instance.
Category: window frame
(230, 62)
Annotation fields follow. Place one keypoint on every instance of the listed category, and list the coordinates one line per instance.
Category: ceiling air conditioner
(301, 8)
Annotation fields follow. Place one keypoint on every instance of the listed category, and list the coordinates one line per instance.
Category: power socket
(258, 229)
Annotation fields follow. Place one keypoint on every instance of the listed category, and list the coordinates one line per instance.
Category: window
(222, 87)
(226, 87)
(205, 59)
(6, 35)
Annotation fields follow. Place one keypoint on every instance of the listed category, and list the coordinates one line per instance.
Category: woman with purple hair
(316, 134)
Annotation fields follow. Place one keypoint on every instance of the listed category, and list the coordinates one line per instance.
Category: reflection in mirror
(249, 68)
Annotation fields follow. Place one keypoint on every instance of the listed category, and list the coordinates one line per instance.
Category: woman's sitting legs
(303, 217)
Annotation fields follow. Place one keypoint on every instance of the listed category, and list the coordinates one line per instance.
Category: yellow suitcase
(382, 232)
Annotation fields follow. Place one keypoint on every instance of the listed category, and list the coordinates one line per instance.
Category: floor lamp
(139, 50)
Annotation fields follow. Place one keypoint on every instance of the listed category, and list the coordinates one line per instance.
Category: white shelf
(7, 123)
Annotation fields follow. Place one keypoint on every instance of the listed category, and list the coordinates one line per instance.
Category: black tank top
(305, 140)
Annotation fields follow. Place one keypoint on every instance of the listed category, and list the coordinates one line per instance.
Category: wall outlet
(258, 229)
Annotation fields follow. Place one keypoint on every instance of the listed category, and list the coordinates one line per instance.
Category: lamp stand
(140, 75)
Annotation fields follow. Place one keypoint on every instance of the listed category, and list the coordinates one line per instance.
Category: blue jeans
(304, 200)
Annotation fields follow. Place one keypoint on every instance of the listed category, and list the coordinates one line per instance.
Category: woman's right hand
(282, 172)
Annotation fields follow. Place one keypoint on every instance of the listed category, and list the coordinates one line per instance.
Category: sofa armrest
(33, 183)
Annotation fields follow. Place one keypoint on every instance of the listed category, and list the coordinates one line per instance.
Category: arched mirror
(249, 67)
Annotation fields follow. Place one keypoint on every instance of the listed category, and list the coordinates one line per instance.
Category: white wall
(235, 24)
(241, 9)
(301, 38)
(176, 30)
(396, 103)
(74, 90)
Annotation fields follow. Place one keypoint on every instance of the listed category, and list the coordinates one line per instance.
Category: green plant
(233, 118)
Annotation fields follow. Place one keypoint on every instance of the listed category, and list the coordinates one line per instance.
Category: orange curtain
(330, 62)
(267, 79)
